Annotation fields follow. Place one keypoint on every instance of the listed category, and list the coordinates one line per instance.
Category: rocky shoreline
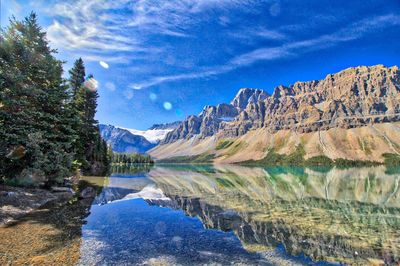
(16, 202)
(43, 227)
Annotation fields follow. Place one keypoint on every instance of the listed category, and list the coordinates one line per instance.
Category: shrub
(319, 160)
(342, 163)
(201, 158)
(391, 159)
(223, 144)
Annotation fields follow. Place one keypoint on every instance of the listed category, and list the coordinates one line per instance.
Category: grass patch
(274, 158)
(201, 158)
(223, 144)
(364, 144)
(391, 159)
(235, 148)
(297, 159)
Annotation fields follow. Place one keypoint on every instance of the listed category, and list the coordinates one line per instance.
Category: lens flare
(167, 106)
(91, 84)
(153, 96)
(179, 112)
(104, 64)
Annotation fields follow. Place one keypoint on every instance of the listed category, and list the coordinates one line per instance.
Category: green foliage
(391, 159)
(274, 158)
(77, 76)
(40, 119)
(131, 158)
(201, 158)
(297, 159)
(19, 182)
(90, 149)
(319, 160)
(35, 116)
(343, 163)
(223, 144)
(130, 168)
(233, 149)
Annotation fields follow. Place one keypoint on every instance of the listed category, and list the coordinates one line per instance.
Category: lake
(229, 214)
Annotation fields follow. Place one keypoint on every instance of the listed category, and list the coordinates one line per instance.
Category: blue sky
(159, 61)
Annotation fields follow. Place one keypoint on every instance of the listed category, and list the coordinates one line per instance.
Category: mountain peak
(247, 95)
(350, 98)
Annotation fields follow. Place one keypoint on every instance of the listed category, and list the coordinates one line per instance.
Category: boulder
(88, 192)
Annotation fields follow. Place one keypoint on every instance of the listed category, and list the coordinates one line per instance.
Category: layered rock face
(351, 98)
(213, 118)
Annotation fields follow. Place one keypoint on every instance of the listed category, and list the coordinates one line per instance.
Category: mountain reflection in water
(337, 215)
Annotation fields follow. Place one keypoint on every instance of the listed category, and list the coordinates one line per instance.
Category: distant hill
(132, 140)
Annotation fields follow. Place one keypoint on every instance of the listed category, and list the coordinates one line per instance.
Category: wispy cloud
(252, 34)
(110, 86)
(354, 31)
(98, 26)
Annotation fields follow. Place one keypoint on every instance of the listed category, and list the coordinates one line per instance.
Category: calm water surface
(196, 215)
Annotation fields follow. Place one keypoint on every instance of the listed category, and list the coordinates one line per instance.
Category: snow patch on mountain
(152, 135)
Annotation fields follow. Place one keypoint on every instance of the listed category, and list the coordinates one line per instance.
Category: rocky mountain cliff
(213, 118)
(353, 98)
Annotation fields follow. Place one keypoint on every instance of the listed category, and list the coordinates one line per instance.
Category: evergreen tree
(77, 76)
(35, 129)
(85, 103)
(45, 125)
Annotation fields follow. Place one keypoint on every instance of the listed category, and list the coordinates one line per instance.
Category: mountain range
(124, 140)
(353, 114)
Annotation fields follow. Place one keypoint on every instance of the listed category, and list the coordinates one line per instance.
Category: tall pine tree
(91, 152)
(44, 123)
(77, 76)
(35, 129)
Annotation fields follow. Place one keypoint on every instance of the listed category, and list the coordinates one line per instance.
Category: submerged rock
(88, 192)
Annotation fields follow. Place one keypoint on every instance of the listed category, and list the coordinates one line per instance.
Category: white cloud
(352, 32)
(89, 24)
(275, 9)
(135, 86)
(253, 33)
(111, 58)
(110, 86)
(224, 20)
(128, 94)
(104, 64)
(89, 38)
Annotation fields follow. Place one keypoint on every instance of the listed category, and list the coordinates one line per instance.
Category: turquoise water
(219, 215)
